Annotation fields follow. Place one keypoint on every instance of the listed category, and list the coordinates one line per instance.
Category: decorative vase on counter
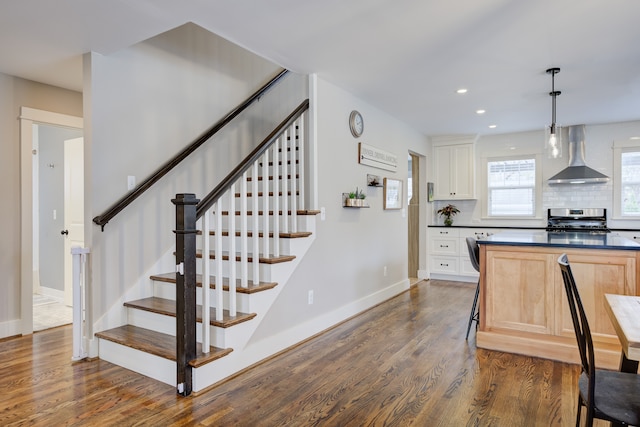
(448, 222)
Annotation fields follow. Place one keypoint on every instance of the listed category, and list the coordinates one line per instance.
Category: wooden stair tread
(158, 344)
(271, 177)
(298, 212)
(264, 260)
(260, 193)
(261, 286)
(167, 307)
(296, 235)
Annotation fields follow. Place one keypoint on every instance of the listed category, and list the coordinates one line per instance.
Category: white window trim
(619, 148)
(485, 186)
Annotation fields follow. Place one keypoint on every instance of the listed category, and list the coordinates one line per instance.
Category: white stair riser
(302, 222)
(153, 321)
(244, 302)
(220, 337)
(286, 245)
(155, 367)
(262, 268)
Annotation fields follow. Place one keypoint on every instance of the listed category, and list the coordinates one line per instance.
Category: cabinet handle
(444, 246)
(444, 265)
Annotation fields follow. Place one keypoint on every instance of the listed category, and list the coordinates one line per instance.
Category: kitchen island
(523, 307)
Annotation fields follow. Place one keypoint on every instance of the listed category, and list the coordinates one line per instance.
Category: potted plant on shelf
(447, 212)
(360, 196)
(351, 199)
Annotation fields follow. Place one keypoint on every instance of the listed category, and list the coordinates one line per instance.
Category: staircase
(252, 232)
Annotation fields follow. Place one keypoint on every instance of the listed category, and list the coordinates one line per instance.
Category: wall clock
(356, 124)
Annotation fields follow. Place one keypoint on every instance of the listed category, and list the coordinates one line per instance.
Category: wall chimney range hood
(577, 172)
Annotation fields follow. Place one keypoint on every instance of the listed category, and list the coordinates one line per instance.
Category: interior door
(73, 208)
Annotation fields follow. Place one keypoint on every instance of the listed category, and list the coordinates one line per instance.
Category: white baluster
(243, 232)
(285, 179)
(276, 199)
(294, 172)
(231, 238)
(301, 163)
(255, 225)
(218, 251)
(265, 203)
(206, 280)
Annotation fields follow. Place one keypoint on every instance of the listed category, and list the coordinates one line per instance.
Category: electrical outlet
(310, 298)
(131, 182)
(323, 214)
(384, 271)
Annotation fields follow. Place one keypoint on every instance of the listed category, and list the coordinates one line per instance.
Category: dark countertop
(485, 226)
(561, 239)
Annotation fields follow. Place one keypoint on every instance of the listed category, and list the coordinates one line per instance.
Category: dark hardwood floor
(404, 362)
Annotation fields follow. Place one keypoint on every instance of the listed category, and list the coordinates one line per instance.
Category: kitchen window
(511, 185)
(629, 190)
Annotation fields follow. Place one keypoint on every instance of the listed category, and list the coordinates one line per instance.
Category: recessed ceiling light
(480, 111)
(635, 137)
(461, 90)
(493, 126)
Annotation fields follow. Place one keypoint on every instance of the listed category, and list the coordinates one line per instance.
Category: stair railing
(288, 140)
(126, 200)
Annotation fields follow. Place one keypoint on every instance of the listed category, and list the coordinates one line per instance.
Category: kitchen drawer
(444, 246)
(444, 265)
(478, 233)
(444, 232)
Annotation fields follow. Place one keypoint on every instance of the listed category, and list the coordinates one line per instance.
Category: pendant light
(553, 134)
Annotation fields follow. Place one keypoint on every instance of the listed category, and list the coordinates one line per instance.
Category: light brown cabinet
(524, 307)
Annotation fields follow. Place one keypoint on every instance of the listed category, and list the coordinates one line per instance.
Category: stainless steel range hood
(577, 172)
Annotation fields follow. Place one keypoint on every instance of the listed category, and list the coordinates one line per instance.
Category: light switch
(131, 182)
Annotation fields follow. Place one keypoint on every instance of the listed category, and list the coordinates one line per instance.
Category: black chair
(474, 255)
(607, 395)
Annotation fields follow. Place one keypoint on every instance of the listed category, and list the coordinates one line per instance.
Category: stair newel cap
(185, 213)
(185, 199)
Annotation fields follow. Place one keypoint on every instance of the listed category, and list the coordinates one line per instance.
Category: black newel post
(185, 289)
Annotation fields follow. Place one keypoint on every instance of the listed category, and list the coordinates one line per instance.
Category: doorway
(413, 203)
(46, 293)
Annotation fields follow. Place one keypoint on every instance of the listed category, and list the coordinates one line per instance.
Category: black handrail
(103, 219)
(208, 201)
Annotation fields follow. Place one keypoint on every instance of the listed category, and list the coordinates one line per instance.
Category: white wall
(599, 141)
(344, 267)
(15, 93)
(142, 106)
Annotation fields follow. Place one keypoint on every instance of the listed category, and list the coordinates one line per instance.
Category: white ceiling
(405, 57)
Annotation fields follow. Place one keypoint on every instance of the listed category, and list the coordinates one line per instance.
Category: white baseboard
(10, 328)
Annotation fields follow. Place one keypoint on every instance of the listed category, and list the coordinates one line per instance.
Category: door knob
(64, 232)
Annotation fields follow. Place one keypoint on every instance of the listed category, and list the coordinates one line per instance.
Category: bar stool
(474, 255)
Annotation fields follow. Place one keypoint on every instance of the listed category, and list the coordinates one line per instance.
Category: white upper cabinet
(454, 171)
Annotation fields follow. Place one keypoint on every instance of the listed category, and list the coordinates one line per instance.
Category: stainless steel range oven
(591, 220)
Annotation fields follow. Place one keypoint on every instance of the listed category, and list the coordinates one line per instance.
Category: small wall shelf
(357, 203)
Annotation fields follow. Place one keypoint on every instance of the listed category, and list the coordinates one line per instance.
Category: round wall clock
(356, 124)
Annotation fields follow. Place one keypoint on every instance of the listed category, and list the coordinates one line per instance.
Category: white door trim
(29, 117)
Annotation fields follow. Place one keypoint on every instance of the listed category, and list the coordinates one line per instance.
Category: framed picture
(429, 191)
(392, 197)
